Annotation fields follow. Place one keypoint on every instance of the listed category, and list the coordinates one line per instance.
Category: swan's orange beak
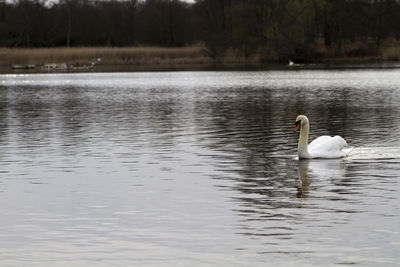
(298, 125)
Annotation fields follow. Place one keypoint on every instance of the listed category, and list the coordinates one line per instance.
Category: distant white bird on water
(291, 63)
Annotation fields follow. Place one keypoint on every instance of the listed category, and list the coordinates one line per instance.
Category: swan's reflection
(324, 169)
(303, 182)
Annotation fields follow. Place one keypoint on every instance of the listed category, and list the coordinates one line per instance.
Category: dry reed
(180, 56)
(390, 50)
(109, 55)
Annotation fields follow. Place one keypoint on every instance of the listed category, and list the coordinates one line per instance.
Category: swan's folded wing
(328, 147)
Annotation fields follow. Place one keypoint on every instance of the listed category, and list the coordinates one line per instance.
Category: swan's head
(301, 120)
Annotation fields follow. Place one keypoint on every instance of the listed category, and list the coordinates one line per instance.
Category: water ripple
(177, 168)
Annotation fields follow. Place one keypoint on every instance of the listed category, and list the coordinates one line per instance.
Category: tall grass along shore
(163, 57)
(78, 56)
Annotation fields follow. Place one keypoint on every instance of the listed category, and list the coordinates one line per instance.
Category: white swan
(322, 147)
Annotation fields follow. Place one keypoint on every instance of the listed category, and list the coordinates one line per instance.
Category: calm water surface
(198, 168)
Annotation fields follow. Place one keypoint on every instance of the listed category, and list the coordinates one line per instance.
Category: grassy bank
(109, 56)
(145, 58)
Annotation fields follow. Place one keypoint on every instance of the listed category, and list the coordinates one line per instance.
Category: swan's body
(322, 147)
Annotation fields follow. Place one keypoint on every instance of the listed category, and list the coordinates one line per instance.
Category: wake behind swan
(374, 153)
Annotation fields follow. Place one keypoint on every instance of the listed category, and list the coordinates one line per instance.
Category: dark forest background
(271, 29)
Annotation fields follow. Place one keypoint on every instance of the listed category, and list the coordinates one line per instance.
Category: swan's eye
(298, 122)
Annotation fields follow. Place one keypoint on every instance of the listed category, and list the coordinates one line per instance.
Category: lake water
(198, 168)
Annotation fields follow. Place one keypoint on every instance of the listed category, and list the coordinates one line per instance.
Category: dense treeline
(95, 23)
(269, 29)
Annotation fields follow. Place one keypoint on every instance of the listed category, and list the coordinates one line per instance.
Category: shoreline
(140, 59)
(206, 67)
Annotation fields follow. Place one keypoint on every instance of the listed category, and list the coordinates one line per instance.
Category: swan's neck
(302, 147)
